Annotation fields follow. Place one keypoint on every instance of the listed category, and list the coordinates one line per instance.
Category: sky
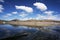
(30, 9)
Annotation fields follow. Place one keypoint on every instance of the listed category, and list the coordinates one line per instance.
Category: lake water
(9, 32)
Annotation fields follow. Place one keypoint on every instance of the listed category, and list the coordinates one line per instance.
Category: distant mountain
(32, 20)
(44, 20)
(37, 20)
(15, 20)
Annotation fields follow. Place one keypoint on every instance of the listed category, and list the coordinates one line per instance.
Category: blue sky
(30, 9)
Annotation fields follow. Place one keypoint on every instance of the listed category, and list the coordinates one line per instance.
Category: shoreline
(33, 24)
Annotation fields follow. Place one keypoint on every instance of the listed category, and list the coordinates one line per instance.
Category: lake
(10, 32)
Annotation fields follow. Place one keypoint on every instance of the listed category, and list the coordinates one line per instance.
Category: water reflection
(7, 31)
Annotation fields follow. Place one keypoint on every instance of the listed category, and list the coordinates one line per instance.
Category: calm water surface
(34, 33)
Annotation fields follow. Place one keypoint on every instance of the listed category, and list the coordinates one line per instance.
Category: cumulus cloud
(7, 15)
(49, 12)
(23, 14)
(23, 19)
(51, 17)
(26, 18)
(1, 0)
(10, 14)
(25, 8)
(1, 8)
(40, 6)
(14, 12)
(39, 17)
(42, 17)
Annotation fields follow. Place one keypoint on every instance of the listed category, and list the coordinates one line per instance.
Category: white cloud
(49, 12)
(24, 18)
(23, 14)
(1, 0)
(14, 12)
(1, 8)
(40, 6)
(51, 17)
(39, 17)
(10, 14)
(7, 15)
(25, 8)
